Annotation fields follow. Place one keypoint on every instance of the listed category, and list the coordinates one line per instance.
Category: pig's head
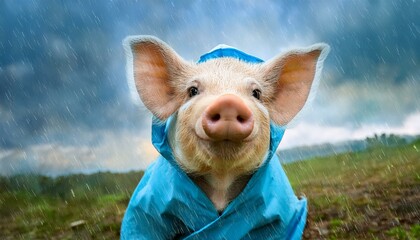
(222, 107)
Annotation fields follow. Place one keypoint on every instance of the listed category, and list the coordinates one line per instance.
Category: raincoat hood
(167, 204)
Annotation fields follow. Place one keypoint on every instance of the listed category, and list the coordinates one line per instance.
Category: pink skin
(220, 136)
(228, 119)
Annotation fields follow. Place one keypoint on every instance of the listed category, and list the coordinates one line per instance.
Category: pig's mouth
(226, 135)
(227, 148)
(226, 140)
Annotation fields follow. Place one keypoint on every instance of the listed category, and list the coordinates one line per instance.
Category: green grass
(404, 234)
(35, 207)
(27, 216)
(373, 194)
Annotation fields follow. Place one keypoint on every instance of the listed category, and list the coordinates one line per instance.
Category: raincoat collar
(167, 204)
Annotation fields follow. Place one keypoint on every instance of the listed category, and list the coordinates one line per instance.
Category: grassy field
(36, 207)
(373, 194)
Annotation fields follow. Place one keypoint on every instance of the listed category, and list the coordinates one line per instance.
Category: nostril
(215, 117)
(228, 118)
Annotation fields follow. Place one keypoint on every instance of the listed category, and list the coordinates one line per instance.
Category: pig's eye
(192, 91)
(256, 93)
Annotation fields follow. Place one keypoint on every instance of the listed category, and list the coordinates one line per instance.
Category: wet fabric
(168, 205)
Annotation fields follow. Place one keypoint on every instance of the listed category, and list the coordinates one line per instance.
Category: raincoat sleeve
(137, 222)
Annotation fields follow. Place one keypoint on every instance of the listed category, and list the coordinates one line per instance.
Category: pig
(217, 124)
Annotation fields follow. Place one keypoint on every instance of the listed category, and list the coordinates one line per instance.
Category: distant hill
(322, 150)
(328, 149)
(72, 186)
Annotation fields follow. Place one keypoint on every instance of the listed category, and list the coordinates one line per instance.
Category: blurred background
(66, 108)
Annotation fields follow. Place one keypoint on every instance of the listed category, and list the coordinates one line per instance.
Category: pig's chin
(201, 155)
(226, 150)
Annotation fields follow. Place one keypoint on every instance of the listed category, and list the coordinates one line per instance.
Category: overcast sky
(65, 105)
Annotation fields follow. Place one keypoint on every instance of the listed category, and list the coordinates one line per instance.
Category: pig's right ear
(156, 70)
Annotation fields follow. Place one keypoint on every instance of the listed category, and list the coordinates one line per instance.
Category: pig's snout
(228, 118)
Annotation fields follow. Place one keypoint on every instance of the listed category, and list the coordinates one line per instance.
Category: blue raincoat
(167, 204)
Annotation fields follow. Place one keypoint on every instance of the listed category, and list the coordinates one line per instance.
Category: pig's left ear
(295, 76)
(155, 70)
